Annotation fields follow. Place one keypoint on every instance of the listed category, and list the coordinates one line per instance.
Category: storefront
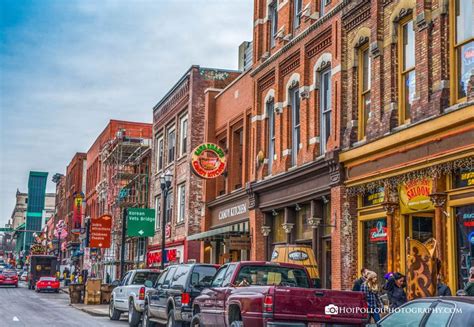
(418, 189)
(228, 237)
(174, 254)
(296, 209)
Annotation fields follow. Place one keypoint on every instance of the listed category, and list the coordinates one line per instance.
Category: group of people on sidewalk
(394, 288)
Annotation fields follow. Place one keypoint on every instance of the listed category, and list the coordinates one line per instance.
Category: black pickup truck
(171, 298)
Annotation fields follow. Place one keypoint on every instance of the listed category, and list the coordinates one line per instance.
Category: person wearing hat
(469, 288)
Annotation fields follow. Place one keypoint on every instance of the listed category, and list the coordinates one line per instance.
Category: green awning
(221, 233)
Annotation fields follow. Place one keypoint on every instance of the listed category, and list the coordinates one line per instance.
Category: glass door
(421, 226)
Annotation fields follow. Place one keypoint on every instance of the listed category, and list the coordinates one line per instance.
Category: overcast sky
(67, 67)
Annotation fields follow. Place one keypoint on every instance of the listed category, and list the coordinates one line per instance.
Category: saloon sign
(415, 195)
(208, 160)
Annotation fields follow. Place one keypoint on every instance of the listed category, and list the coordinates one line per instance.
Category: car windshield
(142, 276)
(272, 275)
(47, 279)
(9, 273)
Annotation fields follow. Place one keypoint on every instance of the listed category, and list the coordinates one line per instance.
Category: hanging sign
(38, 249)
(378, 233)
(140, 222)
(100, 232)
(415, 196)
(208, 160)
(77, 213)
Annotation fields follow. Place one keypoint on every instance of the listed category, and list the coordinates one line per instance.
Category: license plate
(315, 324)
(8, 279)
(49, 286)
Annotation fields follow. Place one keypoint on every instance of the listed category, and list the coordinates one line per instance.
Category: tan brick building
(178, 127)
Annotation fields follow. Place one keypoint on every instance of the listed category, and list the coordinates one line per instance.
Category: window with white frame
(271, 134)
(159, 152)
(325, 105)
(183, 138)
(169, 207)
(295, 123)
(298, 7)
(181, 202)
(157, 212)
(171, 144)
(273, 18)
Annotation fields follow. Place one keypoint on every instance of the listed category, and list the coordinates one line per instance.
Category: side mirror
(116, 283)
(148, 283)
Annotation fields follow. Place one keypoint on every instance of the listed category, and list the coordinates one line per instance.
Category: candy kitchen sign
(415, 196)
(208, 160)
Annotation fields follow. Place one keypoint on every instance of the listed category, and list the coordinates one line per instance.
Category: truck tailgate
(312, 305)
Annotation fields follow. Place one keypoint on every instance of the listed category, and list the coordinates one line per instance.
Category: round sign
(208, 160)
(298, 256)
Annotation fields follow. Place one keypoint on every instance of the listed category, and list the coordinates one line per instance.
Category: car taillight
(268, 303)
(141, 293)
(185, 299)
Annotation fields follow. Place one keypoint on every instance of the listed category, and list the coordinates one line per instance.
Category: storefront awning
(221, 233)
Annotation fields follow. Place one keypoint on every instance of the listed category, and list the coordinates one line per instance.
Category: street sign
(5, 229)
(140, 222)
(100, 232)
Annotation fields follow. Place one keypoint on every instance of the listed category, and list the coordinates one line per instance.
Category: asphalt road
(22, 307)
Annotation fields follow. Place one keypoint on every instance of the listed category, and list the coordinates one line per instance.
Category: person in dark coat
(442, 288)
(395, 290)
(359, 281)
(469, 288)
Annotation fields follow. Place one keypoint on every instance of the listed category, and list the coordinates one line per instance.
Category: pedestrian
(469, 288)
(358, 282)
(395, 290)
(370, 287)
(442, 288)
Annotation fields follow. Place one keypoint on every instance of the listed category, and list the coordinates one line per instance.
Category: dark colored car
(259, 293)
(443, 311)
(170, 300)
(8, 277)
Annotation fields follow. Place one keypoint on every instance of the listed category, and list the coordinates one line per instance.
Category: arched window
(325, 107)
(406, 68)
(363, 88)
(270, 104)
(294, 96)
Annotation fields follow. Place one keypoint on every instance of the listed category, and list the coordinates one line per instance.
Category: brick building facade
(408, 145)
(225, 224)
(178, 127)
(295, 196)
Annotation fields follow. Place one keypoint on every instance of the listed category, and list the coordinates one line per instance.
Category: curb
(90, 312)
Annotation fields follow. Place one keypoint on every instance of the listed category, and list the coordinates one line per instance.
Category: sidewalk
(100, 310)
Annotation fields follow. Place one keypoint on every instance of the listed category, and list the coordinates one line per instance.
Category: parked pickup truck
(273, 294)
(129, 295)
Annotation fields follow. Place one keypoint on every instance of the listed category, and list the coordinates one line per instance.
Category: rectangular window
(463, 46)
(278, 233)
(322, 4)
(169, 207)
(407, 69)
(364, 89)
(271, 134)
(375, 246)
(273, 17)
(465, 243)
(181, 202)
(171, 145)
(183, 139)
(295, 122)
(157, 212)
(298, 7)
(159, 153)
(325, 103)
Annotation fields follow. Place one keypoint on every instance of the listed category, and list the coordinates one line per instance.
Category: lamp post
(165, 182)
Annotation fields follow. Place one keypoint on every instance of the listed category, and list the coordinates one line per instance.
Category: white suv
(129, 295)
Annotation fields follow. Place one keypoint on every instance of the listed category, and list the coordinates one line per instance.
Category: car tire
(196, 321)
(237, 323)
(134, 316)
(171, 320)
(146, 318)
(114, 314)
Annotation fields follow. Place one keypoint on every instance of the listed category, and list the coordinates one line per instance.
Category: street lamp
(165, 182)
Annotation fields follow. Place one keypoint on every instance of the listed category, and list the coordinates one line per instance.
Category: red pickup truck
(259, 293)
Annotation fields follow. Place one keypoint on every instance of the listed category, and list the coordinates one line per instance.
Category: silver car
(129, 295)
